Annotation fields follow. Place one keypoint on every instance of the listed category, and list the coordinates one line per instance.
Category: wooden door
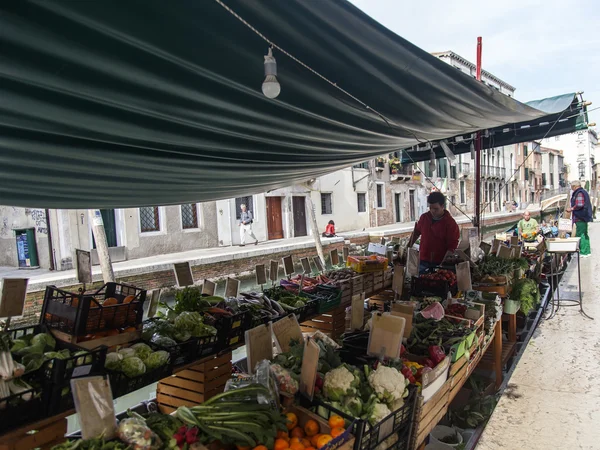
(274, 218)
(299, 210)
(110, 227)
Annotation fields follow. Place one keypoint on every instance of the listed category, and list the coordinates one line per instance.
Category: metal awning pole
(477, 218)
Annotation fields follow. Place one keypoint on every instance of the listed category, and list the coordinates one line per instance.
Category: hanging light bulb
(432, 167)
(472, 151)
(270, 86)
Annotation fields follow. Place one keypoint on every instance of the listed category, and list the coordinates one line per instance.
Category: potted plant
(395, 165)
(380, 161)
(511, 306)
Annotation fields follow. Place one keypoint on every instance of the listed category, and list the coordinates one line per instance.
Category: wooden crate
(358, 285)
(346, 288)
(109, 341)
(381, 299)
(430, 413)
(333, 323)
(195, 383)
(377, 277)
(44, 434)
(388, 277)
(368, 283)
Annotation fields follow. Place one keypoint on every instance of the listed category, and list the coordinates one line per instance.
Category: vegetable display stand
(43, 434)
(332, 324)
(369, 437)
(428, 414)
(377, 281)
(112, 307)
(358, 285)
(195, 383)
(231, 330)
(499, 353)
(555, 274)
(423, 287)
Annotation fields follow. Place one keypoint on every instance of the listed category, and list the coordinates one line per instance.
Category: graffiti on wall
(39, 217)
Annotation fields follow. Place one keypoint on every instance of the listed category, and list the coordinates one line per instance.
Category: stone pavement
(553, 397)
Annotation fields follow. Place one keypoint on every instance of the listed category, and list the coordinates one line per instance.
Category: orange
(336, 421)
(311, 428)
(241, 447)
(306, 442)
(314, 439)
(310, 448)
(296, 446)
(295, 440)
(258, 447)
(297, 432)
(283, 435)
(129, 299)
(292, 421)
(110, 301)
(324, 440)
(281, 444)
(335, 432)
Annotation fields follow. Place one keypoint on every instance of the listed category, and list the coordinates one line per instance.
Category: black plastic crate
(80, 314)
(190, 350)
(367, 436)
(231, 330)
(20, 409)
(426, 287)
(328, 298)
(60, 370)
(121, 385)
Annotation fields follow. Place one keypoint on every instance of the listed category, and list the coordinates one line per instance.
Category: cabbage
(32, 349)
(142, 350)
(182, 336)
(85, 357)
(203, 330)
(133, 367)
(18, 344)
(149, 329)
(44, 340)
(127, 352)
(113, 361)
(32, 361)
(187, 321)
(63, 354)
(157, 359)
(163, 341)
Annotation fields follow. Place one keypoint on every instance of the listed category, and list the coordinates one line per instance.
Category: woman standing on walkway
(581, 206)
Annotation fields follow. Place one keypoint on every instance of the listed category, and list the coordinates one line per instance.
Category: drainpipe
(50, 248)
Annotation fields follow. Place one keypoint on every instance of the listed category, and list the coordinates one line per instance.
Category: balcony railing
(404, 170)
(554, 192)
(493, 172)
(464, 168)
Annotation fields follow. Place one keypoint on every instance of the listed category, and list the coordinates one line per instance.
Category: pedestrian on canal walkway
(581, 206)
(246, 220)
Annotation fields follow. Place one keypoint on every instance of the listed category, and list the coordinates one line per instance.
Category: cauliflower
(340, 382)
(389, 385)
(380, 411)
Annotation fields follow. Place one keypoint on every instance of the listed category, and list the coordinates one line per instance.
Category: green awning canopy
(129, 103)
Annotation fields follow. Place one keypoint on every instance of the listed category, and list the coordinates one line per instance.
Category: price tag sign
(259, 345)
(514, 240)
(358, 311)
(261, 274)
(94, 406)
(485, 247)
(288, 265)
(285, 331)
(305, 265)
(495, 246)
(308, 372)
(335, 257)
(274, 271)
(317, 262)
(517, 250)
(398, 280)
(154, 299)
(13, 295)
(232, 288)
(209, 288)
(463, 276)
(385, 338)
(183, 274)
(504, 252)
(84, 266)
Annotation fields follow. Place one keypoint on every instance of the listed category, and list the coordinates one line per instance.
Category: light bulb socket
(270, 64)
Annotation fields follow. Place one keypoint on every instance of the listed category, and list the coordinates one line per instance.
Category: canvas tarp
(129, 103)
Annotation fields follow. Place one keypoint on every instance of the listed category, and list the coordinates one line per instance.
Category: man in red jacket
(438, 231)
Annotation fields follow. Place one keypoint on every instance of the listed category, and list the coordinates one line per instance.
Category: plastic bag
(134, 432)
